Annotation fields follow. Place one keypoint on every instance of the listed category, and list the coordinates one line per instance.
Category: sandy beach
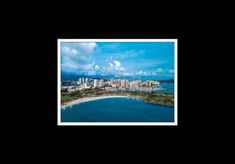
(82, 100)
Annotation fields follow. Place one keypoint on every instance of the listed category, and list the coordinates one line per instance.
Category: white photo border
(175, 123)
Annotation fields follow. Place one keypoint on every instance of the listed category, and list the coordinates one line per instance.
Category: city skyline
(80, 84)
(119, 59)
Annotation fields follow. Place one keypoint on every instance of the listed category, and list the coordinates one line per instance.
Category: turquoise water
(117, 110)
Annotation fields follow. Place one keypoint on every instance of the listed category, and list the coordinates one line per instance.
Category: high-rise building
(123, 83)
(114, 83)
(83, 80)
(119, 83)
(148, 83)
(127, 84)
(131, 84)
(86, 80)
(109, 83)
(96, 83)
(101, 83)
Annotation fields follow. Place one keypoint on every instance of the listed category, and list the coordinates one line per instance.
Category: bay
(117, 110)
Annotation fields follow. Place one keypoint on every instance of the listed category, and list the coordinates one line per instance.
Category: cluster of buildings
(109, 85)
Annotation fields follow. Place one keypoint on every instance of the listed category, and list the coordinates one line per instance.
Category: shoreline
(87, 99)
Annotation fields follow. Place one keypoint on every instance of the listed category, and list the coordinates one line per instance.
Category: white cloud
(86, 48)
(126, 74)
(97, 67)
(77, 56)
(164, 72)
(110, 64)
(117, 63)
(159, 70)
(143, 73)
(139, 73)
(115, 67)
(69, 51)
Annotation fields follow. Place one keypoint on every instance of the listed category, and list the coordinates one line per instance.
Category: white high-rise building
(109, 83)
(127, 84)
(114, 83)
(96, 83)
(101, 83)
(86, 82)
(131, 84)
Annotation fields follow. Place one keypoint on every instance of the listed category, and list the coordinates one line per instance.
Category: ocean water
(166, 88)
(117, 110)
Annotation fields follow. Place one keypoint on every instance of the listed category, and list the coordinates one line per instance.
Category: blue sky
(121, 59)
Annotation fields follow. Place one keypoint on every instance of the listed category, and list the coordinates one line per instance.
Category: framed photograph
(117, 82)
